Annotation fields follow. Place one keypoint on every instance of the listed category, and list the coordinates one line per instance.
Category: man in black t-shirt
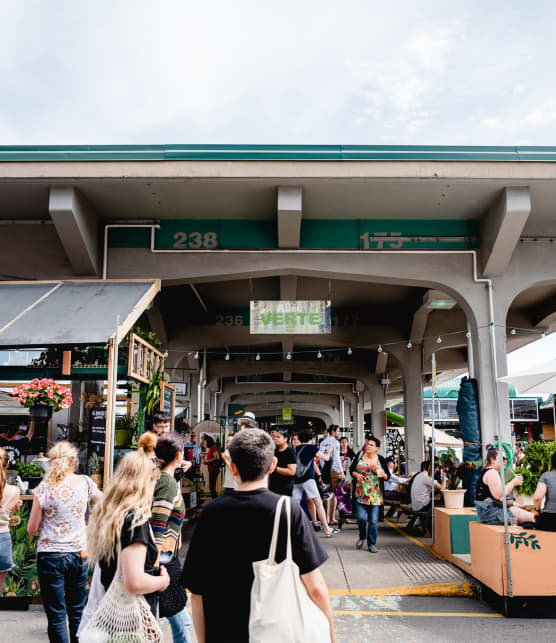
(220, 579)
(281, 479)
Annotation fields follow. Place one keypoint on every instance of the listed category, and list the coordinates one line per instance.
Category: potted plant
(126, 429)
(92, 401)
(536, 461)
(95, 468)
(42, 397)
(30, 472)
(453, 494)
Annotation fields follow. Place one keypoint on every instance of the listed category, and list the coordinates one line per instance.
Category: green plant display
(536, 461)
(29, 470)
(23, 579)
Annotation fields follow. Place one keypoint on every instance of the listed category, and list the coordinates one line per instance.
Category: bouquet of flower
(44, 391)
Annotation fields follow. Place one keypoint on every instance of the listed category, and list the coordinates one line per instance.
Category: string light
(258, 357)
(350, 351)
(409, 344)
(319, 355)
(468, 335)
(379, 349)
(227, 358)
(196, 356)
(289, 355)
(439, 340)
(513, 331)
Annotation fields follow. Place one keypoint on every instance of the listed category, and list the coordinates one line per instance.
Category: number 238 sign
(195, 240)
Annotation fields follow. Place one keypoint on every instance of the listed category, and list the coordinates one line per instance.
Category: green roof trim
(22, 153)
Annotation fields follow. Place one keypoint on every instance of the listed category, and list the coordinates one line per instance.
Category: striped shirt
(168, 514)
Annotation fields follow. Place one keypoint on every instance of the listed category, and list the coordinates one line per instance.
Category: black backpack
(302, 470)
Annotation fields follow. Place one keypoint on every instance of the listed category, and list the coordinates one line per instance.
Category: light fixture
(409, 344)
(289, 355)
(258, 357)
(319, 355)
(379, 349)
(436, 300)
(468, 335)
(196, 356)
(439, 340)
(513, 331)
(350, 351)
(227, 358)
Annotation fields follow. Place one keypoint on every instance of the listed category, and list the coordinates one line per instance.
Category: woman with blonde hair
(59, 505)
(9, 501)
(120, 523)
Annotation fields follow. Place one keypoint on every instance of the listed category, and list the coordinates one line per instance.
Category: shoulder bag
(301, 470)
(281, 609)
(121, 616)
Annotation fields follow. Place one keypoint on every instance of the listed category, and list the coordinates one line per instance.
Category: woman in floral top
(368, 470)
(59, 506)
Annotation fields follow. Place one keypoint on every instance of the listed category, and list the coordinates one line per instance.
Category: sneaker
(359, 544)
(317, 525)
(373, 549)
(332, 532)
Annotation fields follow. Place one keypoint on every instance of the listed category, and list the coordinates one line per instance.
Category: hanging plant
(46, 392)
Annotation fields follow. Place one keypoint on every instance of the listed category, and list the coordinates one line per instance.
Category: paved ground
(373, 599)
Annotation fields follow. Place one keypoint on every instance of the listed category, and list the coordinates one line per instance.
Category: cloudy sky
(299, 71)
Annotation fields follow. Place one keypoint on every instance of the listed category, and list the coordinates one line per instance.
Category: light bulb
(468, 335)
(439, 340)
(350, 351)
(379, 349)
(513, 331)
(196, 356)
(227, 357)
(409, 344)
(289, 355)
(258, 357)
(319, 355)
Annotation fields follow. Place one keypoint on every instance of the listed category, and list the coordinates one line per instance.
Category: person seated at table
(488, 497)
(546, 490)
(421, 492)
(391, 490)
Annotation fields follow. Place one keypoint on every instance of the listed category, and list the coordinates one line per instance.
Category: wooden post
(109, 443)
(66, 363)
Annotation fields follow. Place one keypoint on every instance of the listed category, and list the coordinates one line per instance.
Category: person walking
(59, 505)
(9, 501)
(120, 523)
(337, 475)
(304, 481)
(221, 586)
(281, 479)
(368, 469)
(168, 514)
(212, 460)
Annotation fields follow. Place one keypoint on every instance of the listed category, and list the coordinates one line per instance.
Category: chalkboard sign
(97, 431)
(168, 401)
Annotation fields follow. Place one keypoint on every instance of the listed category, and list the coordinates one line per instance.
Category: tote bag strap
(276, 529)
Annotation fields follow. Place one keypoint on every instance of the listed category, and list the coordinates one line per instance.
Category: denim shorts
(491, 513)
(6, 561)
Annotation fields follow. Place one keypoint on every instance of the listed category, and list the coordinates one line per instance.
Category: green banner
(286, 415)
(301, 317)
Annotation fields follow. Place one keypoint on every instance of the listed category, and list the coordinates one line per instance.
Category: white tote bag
(281, 609)
(121, 616)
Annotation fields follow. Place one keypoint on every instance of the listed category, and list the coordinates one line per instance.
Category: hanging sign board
(97, 431)
(168, 400)
(295, 317)
(287, 415)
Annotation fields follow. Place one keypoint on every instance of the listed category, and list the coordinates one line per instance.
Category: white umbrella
(539, 380)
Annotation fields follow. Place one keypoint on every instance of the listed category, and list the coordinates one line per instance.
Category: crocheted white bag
(122, 617)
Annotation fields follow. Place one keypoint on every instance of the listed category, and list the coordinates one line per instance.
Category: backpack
(302, 470)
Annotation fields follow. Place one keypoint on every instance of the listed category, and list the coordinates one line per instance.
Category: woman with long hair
(168, 514)
(120, 523)
(9, 501)
(212, 460)
(59, 505)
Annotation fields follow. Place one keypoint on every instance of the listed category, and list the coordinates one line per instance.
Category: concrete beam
(289, 216)
(501, 228)
(78, 228)
(381, 363)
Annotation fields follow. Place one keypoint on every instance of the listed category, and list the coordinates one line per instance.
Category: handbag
(281, 609)
(121, 616)
(174, 598)
(96, 592)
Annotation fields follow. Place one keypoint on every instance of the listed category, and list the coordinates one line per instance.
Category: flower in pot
(42, 397)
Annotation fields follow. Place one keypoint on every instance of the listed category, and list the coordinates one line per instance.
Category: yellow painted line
(384, 613)
(413, 540)
(433, 589)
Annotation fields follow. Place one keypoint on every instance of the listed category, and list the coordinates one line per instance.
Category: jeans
(63, 580)
(181, 626)
(368, 514)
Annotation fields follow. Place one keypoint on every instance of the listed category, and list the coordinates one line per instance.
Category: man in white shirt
(421, 491)
(391, 485)
(332, 445)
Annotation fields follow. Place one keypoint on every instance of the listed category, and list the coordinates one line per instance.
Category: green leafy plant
(129, 423)
(29, 470)
(94, 464)
(536, 461)
(22, 580)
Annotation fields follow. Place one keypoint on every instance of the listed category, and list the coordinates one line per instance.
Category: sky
(303, 71)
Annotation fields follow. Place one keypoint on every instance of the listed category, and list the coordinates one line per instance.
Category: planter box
(451, 531)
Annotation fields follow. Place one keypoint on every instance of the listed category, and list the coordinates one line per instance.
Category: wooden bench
(532, 558)
(414, 516)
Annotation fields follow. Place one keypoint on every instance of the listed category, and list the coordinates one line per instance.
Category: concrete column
(360, 414)
(413, 408)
